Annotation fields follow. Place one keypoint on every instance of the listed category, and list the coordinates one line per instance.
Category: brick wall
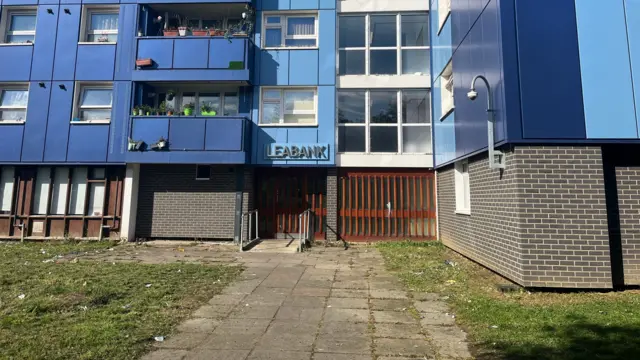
(172, 204)
(628, 185)
(332, 233)
(542, 223)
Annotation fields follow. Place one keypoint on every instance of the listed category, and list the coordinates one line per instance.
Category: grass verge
(93, 310)
(520, 325)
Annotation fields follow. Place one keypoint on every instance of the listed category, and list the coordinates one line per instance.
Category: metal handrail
(304, 233)
(249, 216)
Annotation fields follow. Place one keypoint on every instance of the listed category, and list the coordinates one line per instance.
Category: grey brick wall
(248, 201)
(628, 184)
(172, 204)
(332, 204)
(542, 223)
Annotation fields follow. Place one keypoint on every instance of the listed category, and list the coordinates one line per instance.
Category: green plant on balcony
(245, 26)
(207, 110)
(188, 109)
(162, 108)
(137, 111)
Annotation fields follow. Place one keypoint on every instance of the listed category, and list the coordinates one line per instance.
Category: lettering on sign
(297, 152)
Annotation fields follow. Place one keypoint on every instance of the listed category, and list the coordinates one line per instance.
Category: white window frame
(446, 91)
(444, 10)
(5, 23)
(196, 106)
(22, 87)
(281, 102)
(87, 11)
(399, 125)
(462, 188)
(367, 48)
(284, 25)
(79, 90)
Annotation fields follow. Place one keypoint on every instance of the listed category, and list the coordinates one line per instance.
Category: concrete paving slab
(346, 315)
(403, 347)
(228, 299)
(348, 293)
(398, 331)
(351, 284)
(211, 354)
(387, 294)
(431, 306)
(353, 344)
(300, 314)
(248, 311)
(391, 304)
(341, 328)
(436, 319)
(395, 317)
(258, 354)
(242, 326)
(183, 341)
(310, 291)
(305, 301)
(348, 303)
(198, 325)
(165, 354)
(320, 284)
(449, 340)
(289, 336)
(226, 341)
(329, 356)
(213, 311)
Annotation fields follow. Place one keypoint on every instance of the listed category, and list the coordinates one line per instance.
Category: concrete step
(276, 246)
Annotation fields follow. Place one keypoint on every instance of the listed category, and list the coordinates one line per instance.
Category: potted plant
(182, 30)
(199, 32)
(170, 95)
(216, 32)
(206, 110)
(169, 110)
(147, 109)
(162, 108)
(188, 109)
(170, 32)
(161, 144)
(155, 111)
(136, 111)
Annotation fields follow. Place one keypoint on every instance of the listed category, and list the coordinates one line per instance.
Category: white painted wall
(130, 202)
(382, 5)
(385, 160)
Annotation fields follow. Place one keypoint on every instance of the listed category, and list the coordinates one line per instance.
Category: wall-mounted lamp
(493, 153)
(61, 86)
(67, 11)
(41, 84)
(50, 11)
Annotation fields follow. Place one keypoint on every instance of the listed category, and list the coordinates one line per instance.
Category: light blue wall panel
(43, 49)
(118, 130)
(187, 134)
(88, 143)
(305, 136)
(326, 120)
(20, 2)
(606, 75)
(10, 142)
(95, 62)
(327, 4)
(159, 50)
(67, 43)
(60, 105)
(327, 47)
(190, 54)
(125, 51)
(274, 67)
(633, 33)
(265, 136)
(35, 128)
(303, 67)
(16, 62)
(304, 4)
(276, 4)
(441, 50)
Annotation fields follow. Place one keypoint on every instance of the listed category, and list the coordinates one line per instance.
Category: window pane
(416, 139)
(351, 62)
(96, 97)
(272, 94)
(351, 139)
(188, 98)
(212, 101)
(383, 62)
(230, 104)
(301, 26)
(383, 139)
(416, 107)
(273, 37)
(95, 114)
(102, 38)
(351, 107)
(106, 22)
(14, 98)
(210, 24)
(273, 19)
(352, 31)
(271, 113)
(415, 30)
(415, 61)
(384, 107)
(13, 115)
(383, 30)
(298, 100)
(96, 200)
(59, 196)
(299, 119)
(78, 191)
(43, 182)
(19, 39)
(193, 23)
(23, 23)
(6, 188)
(300, 42)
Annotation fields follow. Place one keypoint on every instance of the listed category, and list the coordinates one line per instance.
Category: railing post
(241, 230)
(256, 234)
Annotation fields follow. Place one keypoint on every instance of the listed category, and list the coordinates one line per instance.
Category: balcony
(195, 42)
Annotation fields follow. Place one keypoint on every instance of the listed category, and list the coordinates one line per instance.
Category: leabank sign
(297, 151)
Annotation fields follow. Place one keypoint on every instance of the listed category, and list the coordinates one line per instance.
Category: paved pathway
(328, 303)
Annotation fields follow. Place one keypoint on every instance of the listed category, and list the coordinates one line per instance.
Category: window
(205, 103)
(59, 193)
(78, 191)
(463, 189)
(383, 44)
(19, 26)
(288, 106)
(41, 196)
(293, 30)
(94, 103)
(384, 121)
(203, 172)
(444, 9)
(7, 175)
(446, 88)
(101, 25)
(13, 103)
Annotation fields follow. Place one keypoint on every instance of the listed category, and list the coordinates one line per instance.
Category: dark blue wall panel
(16, 62)
(224, 135)
(190, 54)
(10, 142)
(125, 51)
(159, 50)
(187, 134)
(274, 67)
(222, 52)
(35, 128)
(95, 62)
(150, 130)
(44, 47)
(67, 43)
(60, 106)
(118, 131)
(88, 143)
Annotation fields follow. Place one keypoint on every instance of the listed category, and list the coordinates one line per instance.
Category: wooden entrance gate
(387, 204)
(282, 194)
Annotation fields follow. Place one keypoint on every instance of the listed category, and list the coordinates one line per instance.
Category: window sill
(463, 212)
(12, 122)
(291, 48)
(288, 125)
(16, 44)
(447, 113)
(96, 43)
(90, 122)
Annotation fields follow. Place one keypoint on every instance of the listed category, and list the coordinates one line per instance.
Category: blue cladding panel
(46, 29)
(88, 143)
(307, 136)
(606, 74)
(190, 53)
(67, 43)
(10, 142)
(16, 62)
(222, 52)
(160, 50)
(326, 121)
(224, 134)
(60, 106)
(119, 121)
(633, 32)
(265, 136)
(36, 125)
(150, 130)
(327, 48)
(274, 67)
(98, 1)
(19, 2)
(551, 89)
(191, 75)
(303, 67)
(441, 48)
(327, 4)
(304, 4)
(510, 103)
(187, 157)
(95, 62)
(276, 4)
(126, 43)
(186, 134)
